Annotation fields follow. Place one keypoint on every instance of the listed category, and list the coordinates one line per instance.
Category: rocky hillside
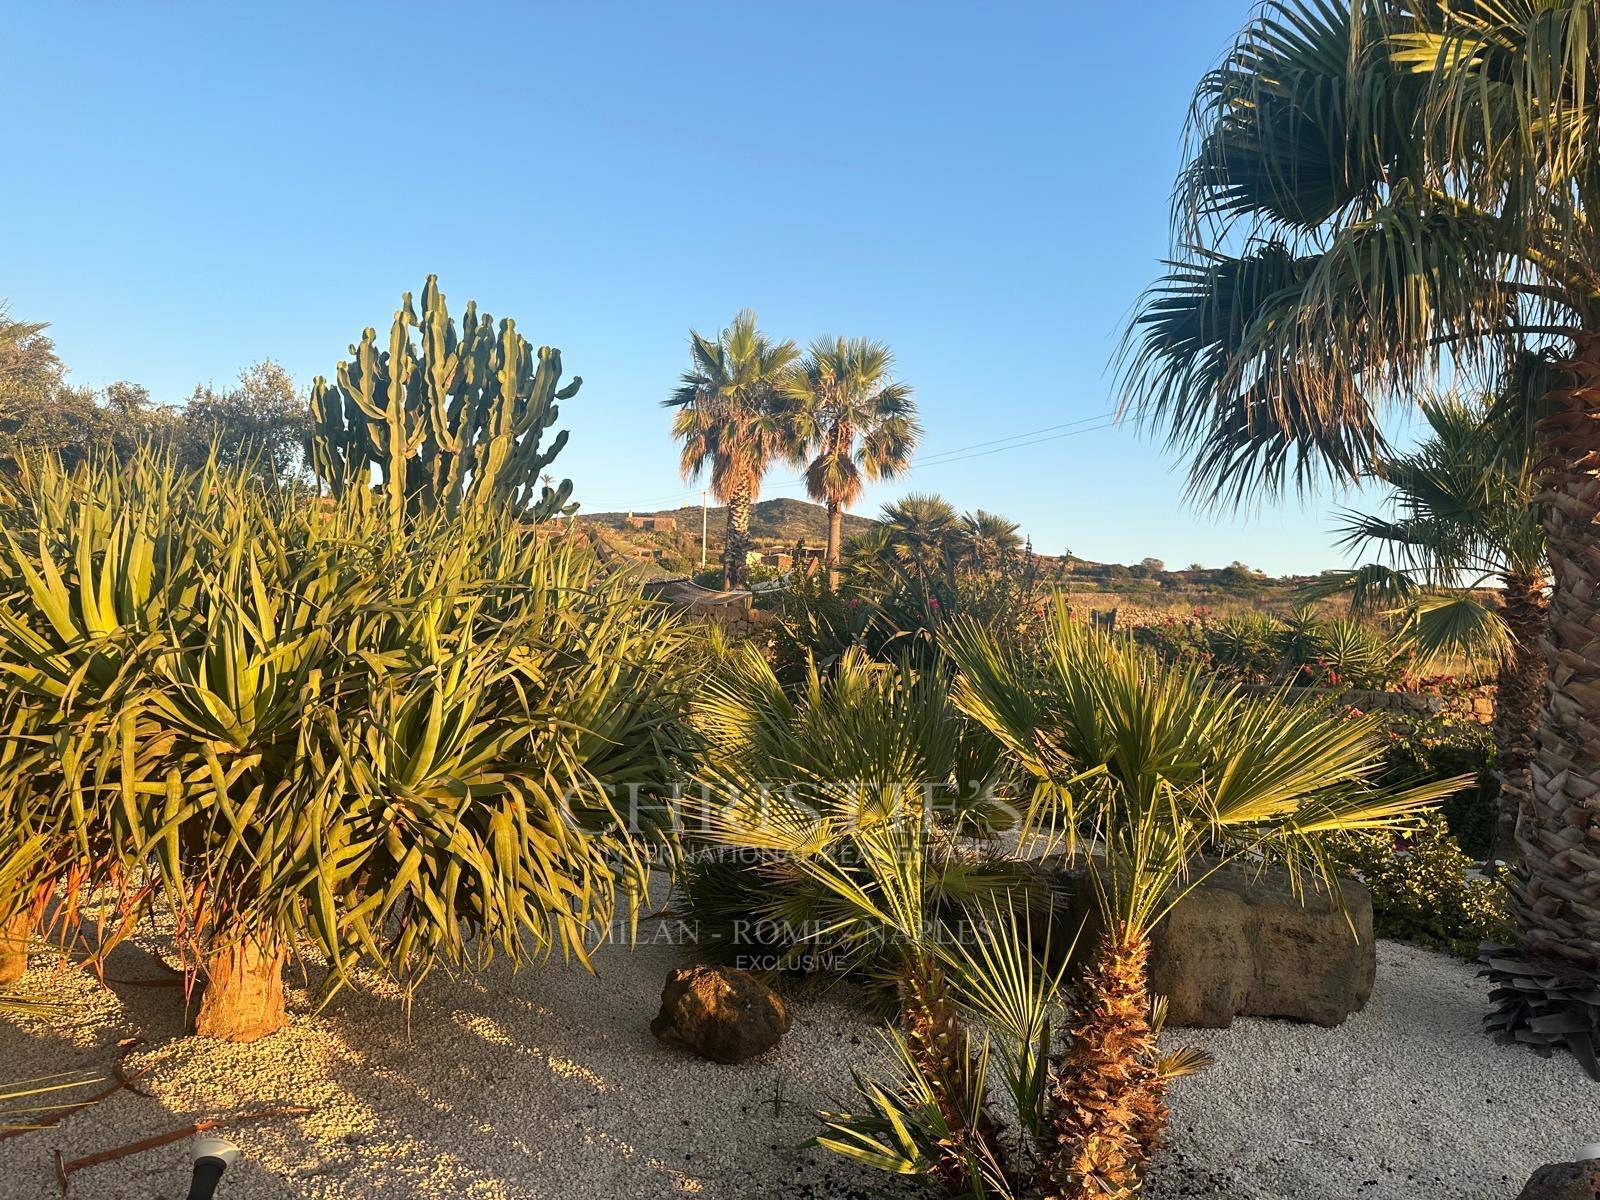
(782, 520)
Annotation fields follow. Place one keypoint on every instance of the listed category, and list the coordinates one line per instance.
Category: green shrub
(1424, 889)
(1441, 746)
(1301, 649)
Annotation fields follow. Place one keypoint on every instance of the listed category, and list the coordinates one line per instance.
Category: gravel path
(547, 1084)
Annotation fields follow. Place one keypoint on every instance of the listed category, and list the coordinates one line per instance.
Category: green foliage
(1157, 764)
(451, 419)
(268, 716)
(905, 581)
(860, 743)
(1301, 648)
(260, 423)
(1425, 889)
(1444, 746)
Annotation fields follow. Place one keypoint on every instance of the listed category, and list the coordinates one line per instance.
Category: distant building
(653, 524)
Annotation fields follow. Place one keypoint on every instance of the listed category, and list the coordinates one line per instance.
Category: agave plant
(276, 722)
(1156, 777)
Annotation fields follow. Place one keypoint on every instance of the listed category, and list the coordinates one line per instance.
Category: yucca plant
(303, 728)
(1156, 776)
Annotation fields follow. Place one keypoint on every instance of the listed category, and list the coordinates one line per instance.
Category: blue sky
(189, 189)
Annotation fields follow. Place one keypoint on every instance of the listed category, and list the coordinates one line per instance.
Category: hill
(782, 520)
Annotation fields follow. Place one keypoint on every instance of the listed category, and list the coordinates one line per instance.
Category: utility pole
(702, 529)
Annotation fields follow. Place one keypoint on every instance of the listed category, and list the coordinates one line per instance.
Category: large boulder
(721, 1013)
(1243, 943)
(1564, 1181)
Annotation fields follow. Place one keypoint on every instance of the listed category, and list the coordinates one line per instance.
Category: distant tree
(850, 422)
(261, 422)
(1153, 566)
(731, 422)
(40, 412)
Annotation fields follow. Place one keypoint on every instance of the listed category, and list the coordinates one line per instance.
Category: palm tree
(918, 531)
(986, 539)
(1155, 776)
(860, 850)
(1466, 516)
(731, 421)
(1379, 191)
(851, 423)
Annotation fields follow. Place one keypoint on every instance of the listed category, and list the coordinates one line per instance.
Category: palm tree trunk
(1546, 987)
(14, 937)
(835, 529)
(243, 997)
(1519, 693)
(939, 1045)
(1105, 1103)
(737, 541)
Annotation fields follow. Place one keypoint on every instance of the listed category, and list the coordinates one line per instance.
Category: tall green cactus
(451, 420)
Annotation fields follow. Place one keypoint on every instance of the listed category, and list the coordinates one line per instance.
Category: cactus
(451, 420)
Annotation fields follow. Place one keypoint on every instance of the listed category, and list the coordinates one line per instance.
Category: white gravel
(548, 1084)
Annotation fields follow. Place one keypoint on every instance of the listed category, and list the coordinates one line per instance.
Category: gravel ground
(547, 1084)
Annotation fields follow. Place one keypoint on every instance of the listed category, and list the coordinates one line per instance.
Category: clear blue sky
(190, 188)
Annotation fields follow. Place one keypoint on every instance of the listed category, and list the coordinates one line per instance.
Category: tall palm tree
(1379, 191)
(732, 422)
(852, 422)
(1466, 516)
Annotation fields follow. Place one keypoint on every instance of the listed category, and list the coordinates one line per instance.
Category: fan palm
(1377, 191)
(1465, 516)
(732, 422)
(1161, 776)
(917, 532)
(858, 724)
(853, 798)
(851, 423)
(986, 539)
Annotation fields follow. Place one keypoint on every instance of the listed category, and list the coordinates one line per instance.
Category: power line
(958, 454)
(1106, 424)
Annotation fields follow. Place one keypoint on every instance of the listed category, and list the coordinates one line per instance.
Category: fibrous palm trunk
(938, 1041)
(1519, 695)
(737, 542)
(1105, 1105)
(243, 997)
(14, 936)
(835, 534)
(1547, 988)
